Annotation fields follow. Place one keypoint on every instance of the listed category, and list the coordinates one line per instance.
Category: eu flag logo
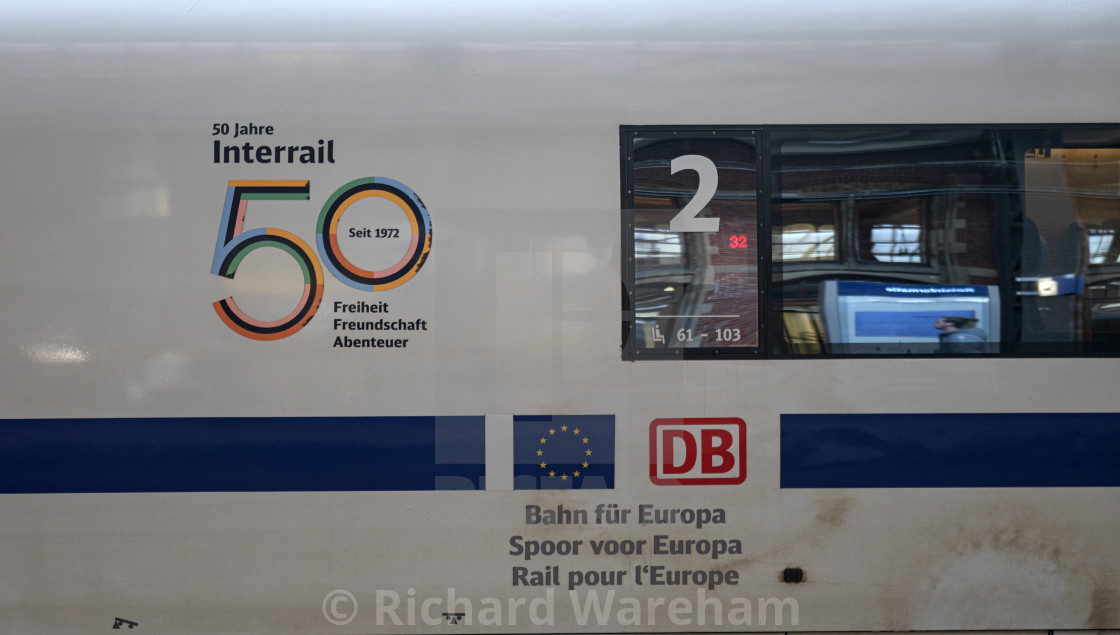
(563, 452)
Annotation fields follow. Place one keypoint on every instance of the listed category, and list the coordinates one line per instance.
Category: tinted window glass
(692, 232)
(937, 240)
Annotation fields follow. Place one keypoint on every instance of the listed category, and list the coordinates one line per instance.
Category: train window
(691, 243)
(916, 210)
(883, 240)
(951, 240)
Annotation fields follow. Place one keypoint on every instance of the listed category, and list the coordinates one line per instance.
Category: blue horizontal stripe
(950, 450)
(241, 454)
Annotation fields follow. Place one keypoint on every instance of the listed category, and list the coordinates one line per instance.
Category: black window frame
(630, 350)
(768, 188)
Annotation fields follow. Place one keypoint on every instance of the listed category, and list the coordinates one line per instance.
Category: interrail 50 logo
(235, 241)
(705, 451)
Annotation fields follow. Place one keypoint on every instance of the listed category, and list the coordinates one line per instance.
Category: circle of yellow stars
(544, 464)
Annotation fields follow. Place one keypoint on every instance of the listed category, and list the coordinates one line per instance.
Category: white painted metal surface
(504, 118)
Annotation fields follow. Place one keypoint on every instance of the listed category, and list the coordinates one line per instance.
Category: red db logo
(698, 451)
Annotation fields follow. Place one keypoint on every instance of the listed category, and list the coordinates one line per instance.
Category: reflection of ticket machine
(876, 317)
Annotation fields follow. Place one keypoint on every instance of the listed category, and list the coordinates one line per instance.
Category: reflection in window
(890, 231)
(913, 225)
(1073, 212)
(1100, 246)
(810, 233)
(896, 243)
(802, 241)
(657, 246)
(1072, 200)
(692, 289)
(880, 233)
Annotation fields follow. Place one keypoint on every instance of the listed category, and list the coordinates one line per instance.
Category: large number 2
(686, 220)
(234, 243)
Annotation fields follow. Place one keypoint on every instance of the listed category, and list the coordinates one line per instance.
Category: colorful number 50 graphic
(235, 242)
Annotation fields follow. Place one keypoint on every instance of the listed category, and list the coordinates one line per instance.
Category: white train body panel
(504, 119)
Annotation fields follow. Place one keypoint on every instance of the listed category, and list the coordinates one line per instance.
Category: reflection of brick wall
(734, 294)
(735, 275)
(971, 240)
(734, 159)
(739, 219)
(959, 223)
(884, 171)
